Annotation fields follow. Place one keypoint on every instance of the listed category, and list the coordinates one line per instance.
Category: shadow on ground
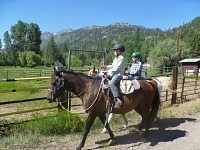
(160, 132)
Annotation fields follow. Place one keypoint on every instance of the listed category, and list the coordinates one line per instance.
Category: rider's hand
(126, 72)
(102, 67)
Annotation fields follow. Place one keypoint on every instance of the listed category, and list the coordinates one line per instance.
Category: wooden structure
(190, 66)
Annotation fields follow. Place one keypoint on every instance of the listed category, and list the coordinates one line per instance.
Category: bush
(29, 59)
(75, 62)
(63, 123)
(33, 59)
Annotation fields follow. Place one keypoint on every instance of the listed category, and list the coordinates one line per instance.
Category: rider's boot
(118, 102)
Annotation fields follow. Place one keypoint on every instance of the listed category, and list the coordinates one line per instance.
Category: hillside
(90, 35)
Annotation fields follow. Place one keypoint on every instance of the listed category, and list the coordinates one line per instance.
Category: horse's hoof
(112, 142)
(104, 131)
(140, 133)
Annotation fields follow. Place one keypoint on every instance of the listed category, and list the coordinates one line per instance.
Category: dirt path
(168, 134)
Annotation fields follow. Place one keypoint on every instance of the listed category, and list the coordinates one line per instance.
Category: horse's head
(96, 73)
(92, 72)
(57, 86)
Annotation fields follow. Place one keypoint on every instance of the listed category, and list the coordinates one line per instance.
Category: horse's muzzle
(50, 97)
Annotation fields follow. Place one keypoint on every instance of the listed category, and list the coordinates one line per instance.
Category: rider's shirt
(117, 67)
(136, 69)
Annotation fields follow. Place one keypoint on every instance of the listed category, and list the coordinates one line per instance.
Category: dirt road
(168, 134)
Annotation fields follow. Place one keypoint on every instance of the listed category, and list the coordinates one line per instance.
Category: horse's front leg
(89, 122)
(109, 118)
(102, 117)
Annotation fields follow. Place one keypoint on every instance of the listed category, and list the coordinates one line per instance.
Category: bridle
(62, 84)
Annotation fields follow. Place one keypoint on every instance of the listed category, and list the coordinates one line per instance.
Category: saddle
(126, 86)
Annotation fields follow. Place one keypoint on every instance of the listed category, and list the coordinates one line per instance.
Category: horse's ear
(55, 70)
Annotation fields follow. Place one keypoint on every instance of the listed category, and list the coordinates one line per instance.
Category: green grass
(29, 134)
(23, 95)
(32, 135)
(45, 129)
(21, 85)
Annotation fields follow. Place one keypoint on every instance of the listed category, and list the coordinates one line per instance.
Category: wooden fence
(23, 100)
(186, 88)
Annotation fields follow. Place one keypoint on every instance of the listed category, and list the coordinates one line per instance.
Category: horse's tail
(155, 104)
(167, 83)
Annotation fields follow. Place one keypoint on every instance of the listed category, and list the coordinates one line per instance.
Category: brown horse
(145, 100)
(160, 83)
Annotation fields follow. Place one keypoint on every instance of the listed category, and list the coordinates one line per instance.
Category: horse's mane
(96, 80)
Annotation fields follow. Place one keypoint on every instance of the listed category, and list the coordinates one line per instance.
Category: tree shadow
(161, 134)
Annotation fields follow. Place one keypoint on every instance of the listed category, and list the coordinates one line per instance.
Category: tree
(7, 40)
(33, 38)
(51, 53)
(64, 54)
(132, 44)
(10, 51)
(195, 45)
(75, 62)
(19, 36)
(164, 53)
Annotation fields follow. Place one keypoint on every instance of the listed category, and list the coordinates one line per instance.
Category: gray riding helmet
(119, 47)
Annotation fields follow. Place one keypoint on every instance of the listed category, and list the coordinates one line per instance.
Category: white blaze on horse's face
(52, 91)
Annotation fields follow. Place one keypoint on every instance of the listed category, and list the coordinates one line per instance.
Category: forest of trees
(159, 48)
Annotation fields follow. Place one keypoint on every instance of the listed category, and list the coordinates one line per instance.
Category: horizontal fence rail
(11, 74)
(22, 101)
(187, 86)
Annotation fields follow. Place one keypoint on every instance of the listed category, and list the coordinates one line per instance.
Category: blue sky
(57, 15)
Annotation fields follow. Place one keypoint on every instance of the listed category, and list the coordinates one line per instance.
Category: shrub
(62, 123)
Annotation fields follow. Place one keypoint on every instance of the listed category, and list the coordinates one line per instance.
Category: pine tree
(51, 53)
(195, 45)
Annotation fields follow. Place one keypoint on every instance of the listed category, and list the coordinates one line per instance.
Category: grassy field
(55, 136)
(51, 127)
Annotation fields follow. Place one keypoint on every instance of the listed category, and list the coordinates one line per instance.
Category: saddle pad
(128, 86)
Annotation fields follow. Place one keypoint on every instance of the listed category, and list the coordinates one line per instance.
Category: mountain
(93, 34)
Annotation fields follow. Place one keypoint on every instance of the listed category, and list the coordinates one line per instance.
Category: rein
(101, 85)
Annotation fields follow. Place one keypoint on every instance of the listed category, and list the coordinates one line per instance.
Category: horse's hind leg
(146, 115)
(141, 126)
(102, 117)
(125, 120)
(89, 122)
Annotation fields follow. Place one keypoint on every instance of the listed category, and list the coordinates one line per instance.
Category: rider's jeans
(114, 85)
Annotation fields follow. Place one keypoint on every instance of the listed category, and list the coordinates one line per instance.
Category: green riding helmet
(136, 54)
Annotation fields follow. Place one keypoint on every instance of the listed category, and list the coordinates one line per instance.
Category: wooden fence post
(197, 75)
(175, 79)
(7, 75)
(182, 91)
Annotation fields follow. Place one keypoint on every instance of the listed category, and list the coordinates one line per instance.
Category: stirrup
(117, 104)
